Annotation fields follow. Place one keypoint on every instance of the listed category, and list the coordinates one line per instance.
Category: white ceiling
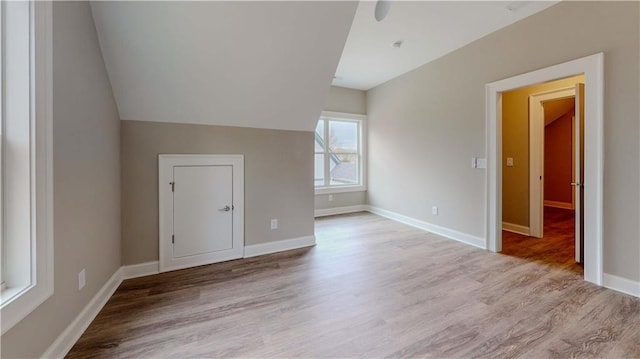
(428, 29)
(251, 64)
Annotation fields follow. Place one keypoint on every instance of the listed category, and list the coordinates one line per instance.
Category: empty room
(320, 179)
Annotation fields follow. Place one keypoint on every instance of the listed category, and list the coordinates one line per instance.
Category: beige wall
(345, 199)
(278, 179)
(86, 184)
(515, 144)
(345, 100)
(421, 137)
(558, 159)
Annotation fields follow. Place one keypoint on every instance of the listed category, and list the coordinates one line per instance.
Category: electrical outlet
(434, 210)
(274, 224)
(81, 279)
(509, 161)
(330, 197)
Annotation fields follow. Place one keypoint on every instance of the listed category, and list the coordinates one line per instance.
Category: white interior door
(202, 215)
(201, 209)
(578, 185)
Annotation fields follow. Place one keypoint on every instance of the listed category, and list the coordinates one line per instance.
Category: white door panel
(201, 209)
(201, 225)
(579, 173)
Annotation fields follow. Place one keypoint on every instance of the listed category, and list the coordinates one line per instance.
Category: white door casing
(201, 209)
(536, 155)
(593, 69)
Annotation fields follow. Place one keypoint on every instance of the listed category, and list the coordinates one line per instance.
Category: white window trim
(363, 153)
(3, 260)
(19, 306)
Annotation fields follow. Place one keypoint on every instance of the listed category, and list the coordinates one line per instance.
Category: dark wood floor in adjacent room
(370, 288)
(557, 246)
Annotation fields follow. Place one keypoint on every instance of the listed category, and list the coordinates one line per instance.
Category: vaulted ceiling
(270, 64)
(555, 109)
(428, 30)
(252, 64)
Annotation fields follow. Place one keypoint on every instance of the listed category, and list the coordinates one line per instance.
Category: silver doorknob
(226, 209)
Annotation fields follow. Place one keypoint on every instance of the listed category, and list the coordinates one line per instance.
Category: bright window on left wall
(26, 187)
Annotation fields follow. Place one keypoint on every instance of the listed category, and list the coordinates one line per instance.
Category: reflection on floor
(556, 247)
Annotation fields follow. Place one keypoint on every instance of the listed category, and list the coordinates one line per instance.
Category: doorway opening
(539, 154)
(592, 68)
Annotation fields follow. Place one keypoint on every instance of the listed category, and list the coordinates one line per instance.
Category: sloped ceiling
(251, 64)
(428, 29)
(555, 109)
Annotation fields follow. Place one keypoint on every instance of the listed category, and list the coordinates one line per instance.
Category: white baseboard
(516, 228)
(624, 285)
(278, 246)
(72, 333)
(445, 232)
(340, 210)
(555, 204)
(140, 270)
(610, 281)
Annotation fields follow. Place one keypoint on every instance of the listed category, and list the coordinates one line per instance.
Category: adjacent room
(320, 179)
(540, 187)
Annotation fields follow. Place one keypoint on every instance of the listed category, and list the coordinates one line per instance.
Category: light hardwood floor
(370, 288)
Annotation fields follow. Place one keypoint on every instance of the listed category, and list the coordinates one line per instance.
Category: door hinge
(173, 186)
(173, 239)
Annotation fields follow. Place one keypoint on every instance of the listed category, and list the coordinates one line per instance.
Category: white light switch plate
(482, 163)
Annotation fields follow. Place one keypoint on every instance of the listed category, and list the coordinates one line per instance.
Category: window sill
(337, 189)
(8, 294)
(19, 302)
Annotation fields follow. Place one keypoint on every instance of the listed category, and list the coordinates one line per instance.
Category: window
(26, 233)
(339, 155)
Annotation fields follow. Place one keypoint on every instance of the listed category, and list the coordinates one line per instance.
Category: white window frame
(17, 301)
(362, 122)
(3, 284)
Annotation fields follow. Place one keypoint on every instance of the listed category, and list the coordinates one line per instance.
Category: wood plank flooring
(557, 247)
(370, 288)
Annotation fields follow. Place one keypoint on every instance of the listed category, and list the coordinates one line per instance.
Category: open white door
(578, 185)
(201, 209)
